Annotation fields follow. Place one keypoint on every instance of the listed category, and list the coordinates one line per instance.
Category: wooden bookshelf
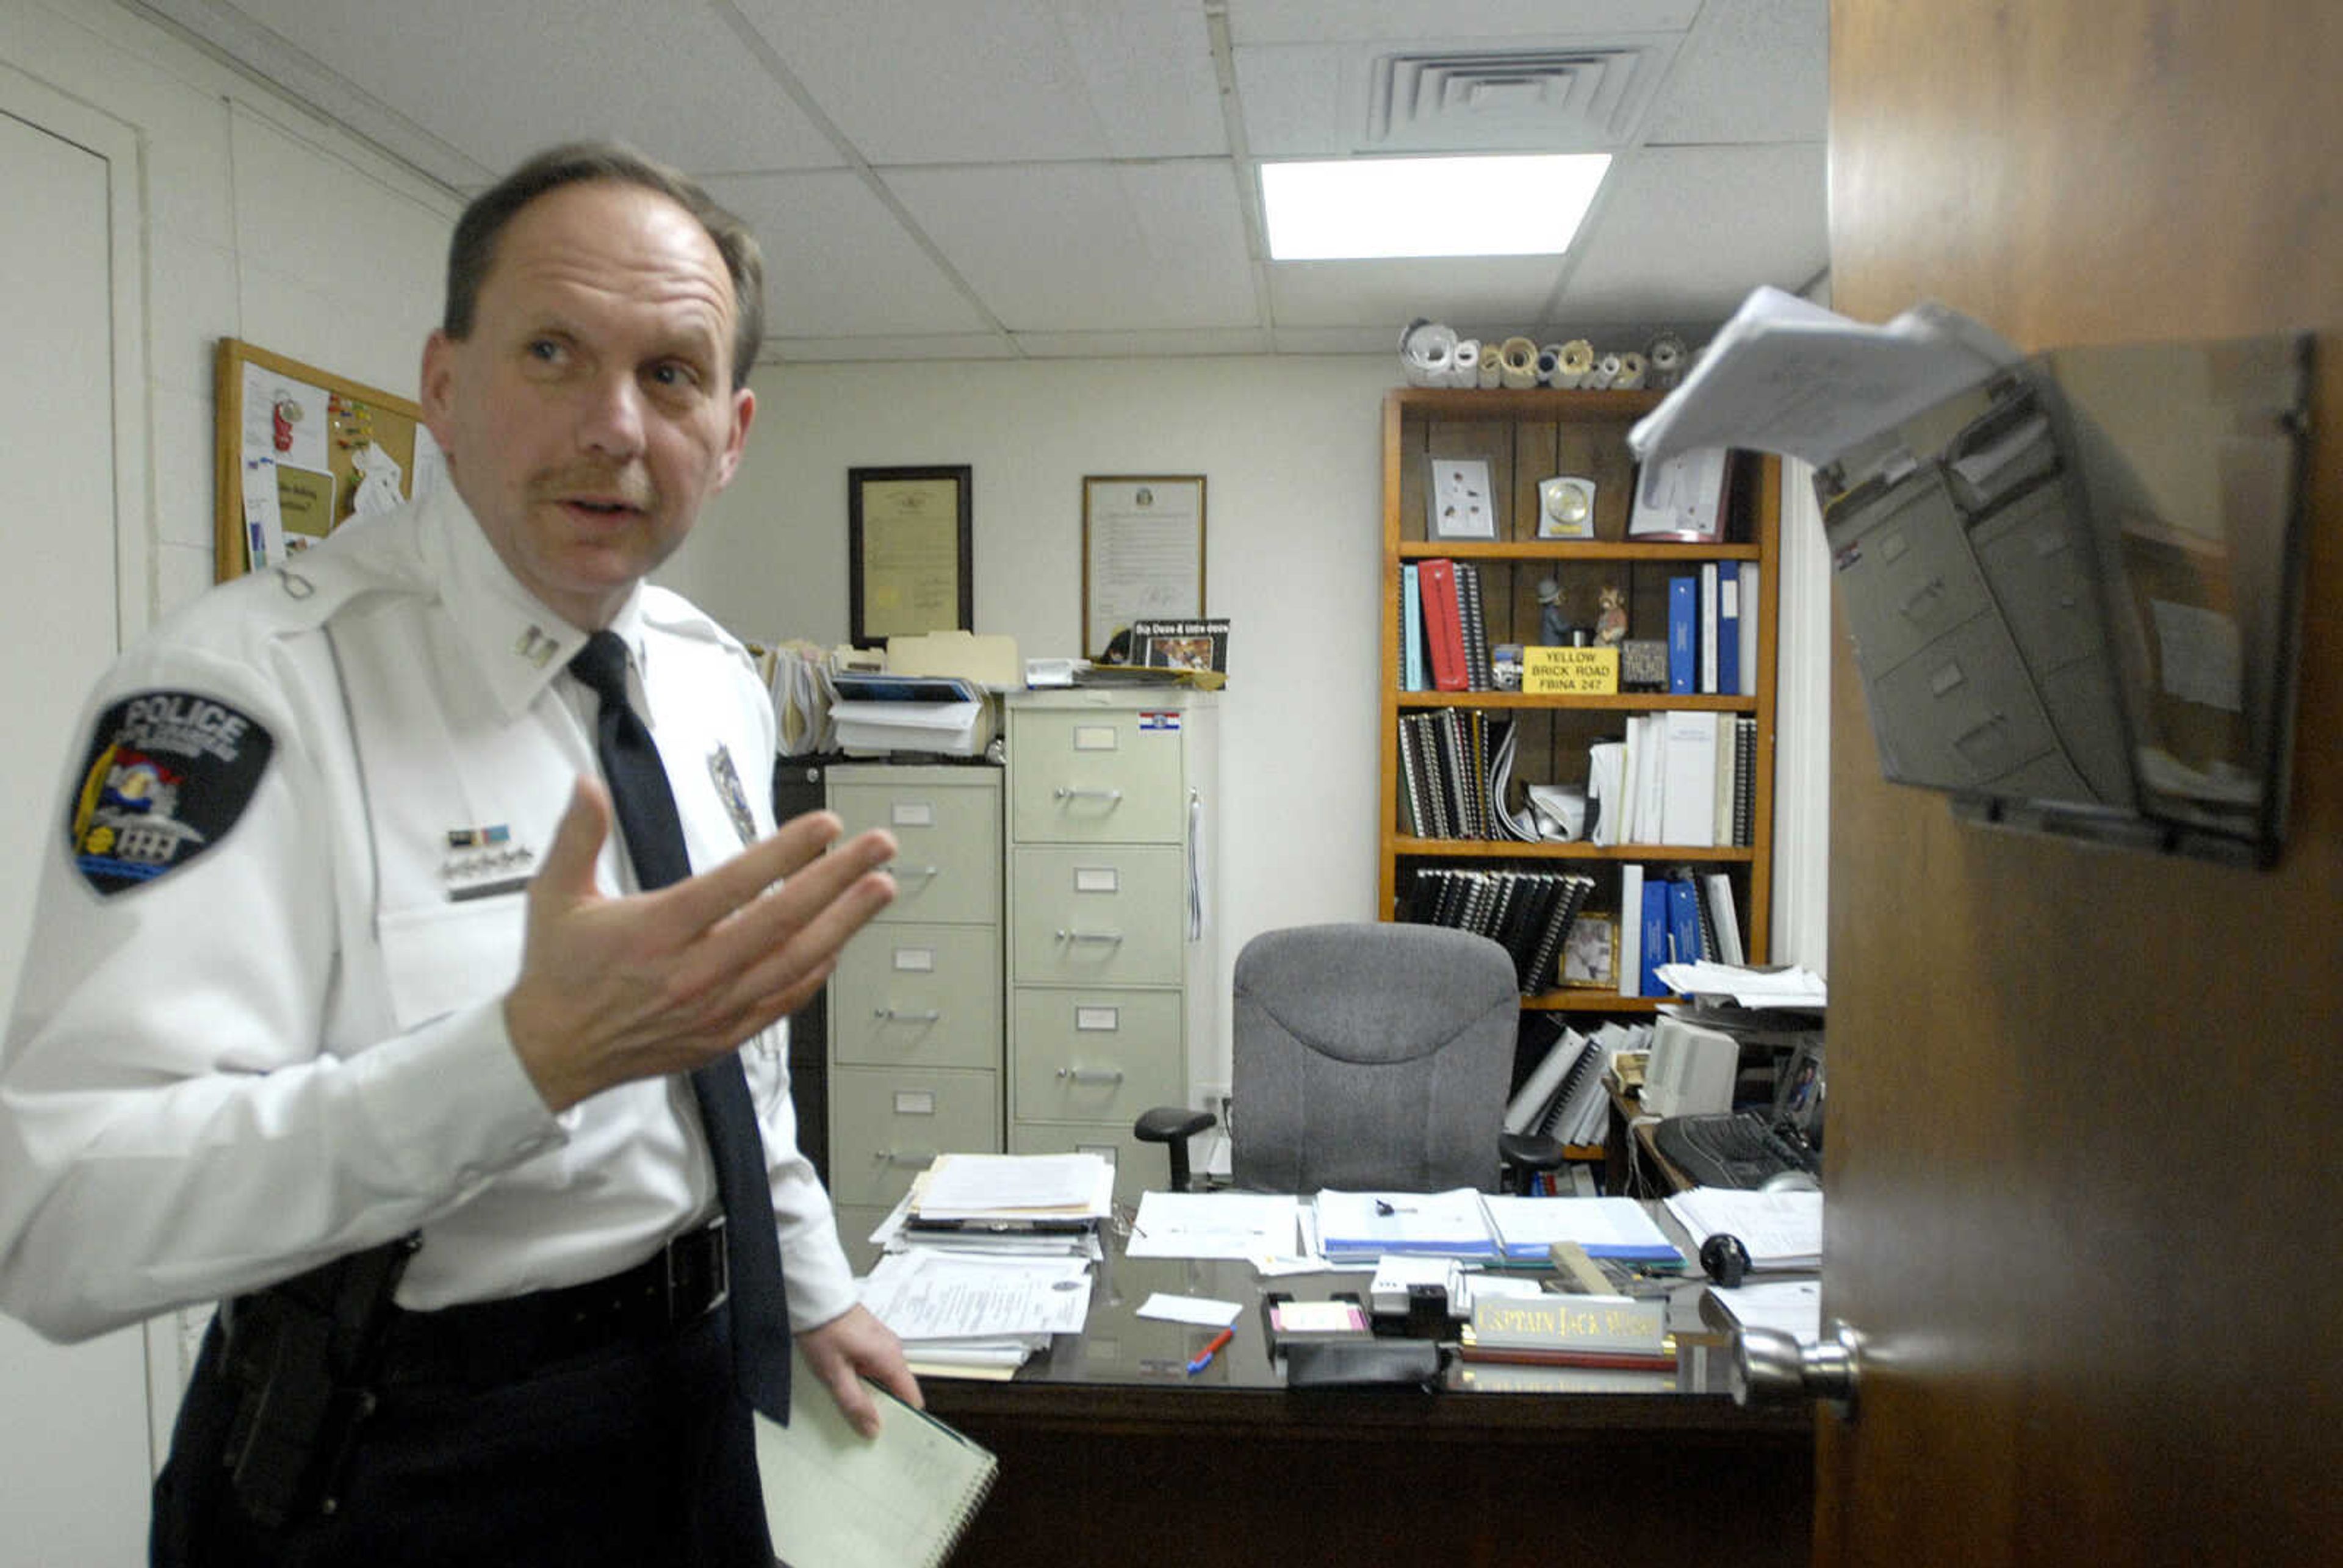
(1525, 436)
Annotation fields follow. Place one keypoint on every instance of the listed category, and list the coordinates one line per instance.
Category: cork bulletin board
(297, 452)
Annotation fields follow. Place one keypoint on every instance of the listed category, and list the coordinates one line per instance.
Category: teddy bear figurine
(1611, 619)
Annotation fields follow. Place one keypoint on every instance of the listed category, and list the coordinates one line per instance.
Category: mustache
(600, 480)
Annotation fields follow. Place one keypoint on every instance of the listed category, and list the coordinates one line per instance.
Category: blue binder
(1411, 622)
(1728, 634)
(1684, 634)
(1656, 938)
(1684, 922)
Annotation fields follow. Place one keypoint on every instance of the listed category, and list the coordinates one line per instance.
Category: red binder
(1443, 625)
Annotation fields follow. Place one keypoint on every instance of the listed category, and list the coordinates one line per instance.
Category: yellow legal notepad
(834, 1500)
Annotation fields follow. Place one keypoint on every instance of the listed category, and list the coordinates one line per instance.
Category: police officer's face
(591, 411)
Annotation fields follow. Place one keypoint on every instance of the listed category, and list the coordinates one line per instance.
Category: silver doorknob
(1771, 1368)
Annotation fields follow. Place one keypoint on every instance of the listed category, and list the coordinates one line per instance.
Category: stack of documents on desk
(1009, 1202)
(1528, 1228)
(1245, 1226)
(1357, 1227)
(1781, 1230)
(968, 1315)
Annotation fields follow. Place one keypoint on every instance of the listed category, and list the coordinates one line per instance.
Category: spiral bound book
(835, 1499)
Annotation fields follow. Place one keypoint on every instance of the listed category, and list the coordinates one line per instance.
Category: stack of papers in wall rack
(1782, 1230)
(881, 713)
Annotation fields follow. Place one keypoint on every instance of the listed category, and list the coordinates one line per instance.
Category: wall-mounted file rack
(1527, 437)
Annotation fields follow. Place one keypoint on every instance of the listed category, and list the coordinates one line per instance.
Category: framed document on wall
(909, 552)
(1143, 552)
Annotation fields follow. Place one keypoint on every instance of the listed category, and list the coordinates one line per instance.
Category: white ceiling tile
(1091, 247)
(1504, 291)
(1142, 344)
(1753, 71)
(1689, 231)
(1381, 21)
(1002, 81)
(498, 79)
(836, 261)
(812, 350)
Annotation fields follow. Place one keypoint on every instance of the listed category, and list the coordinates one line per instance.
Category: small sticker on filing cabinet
(917, 959)
(1160, 722)
(1096, 878)
(913, 814)
(1095, 738)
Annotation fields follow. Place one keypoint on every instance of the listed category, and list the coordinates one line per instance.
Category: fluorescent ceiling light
(1364, 208)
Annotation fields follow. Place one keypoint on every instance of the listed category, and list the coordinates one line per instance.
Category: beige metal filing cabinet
(1112, 978)
(915, 1016)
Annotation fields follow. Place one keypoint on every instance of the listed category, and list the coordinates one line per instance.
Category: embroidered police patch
(167, 775)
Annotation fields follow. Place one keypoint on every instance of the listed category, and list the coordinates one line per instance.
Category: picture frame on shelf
(911, 554)
(1459, 501)
(1590, 952)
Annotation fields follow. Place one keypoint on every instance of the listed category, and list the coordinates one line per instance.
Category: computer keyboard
(1732, 1149)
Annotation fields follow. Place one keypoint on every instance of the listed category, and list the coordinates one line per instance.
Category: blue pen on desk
(1205, 1360)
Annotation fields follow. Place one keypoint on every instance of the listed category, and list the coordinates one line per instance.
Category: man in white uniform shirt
(345, 1004)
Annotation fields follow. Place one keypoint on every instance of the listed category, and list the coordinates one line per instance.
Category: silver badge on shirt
(732, 792)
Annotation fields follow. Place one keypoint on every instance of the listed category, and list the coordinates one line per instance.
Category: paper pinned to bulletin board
(300, 451)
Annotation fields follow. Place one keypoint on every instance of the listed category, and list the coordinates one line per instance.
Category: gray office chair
(1367, 1057)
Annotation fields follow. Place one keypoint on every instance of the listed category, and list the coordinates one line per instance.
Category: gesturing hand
(612, 989)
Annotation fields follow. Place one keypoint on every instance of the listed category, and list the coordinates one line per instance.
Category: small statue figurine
(1554, 622)
(1611, 622)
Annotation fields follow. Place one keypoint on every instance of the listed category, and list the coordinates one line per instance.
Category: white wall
(262, 223)
(254, 220)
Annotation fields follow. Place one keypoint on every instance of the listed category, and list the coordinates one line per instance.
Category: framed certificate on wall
(909, 552)
(1143, 552)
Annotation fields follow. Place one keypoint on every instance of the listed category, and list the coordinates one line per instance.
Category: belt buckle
(698, 1257)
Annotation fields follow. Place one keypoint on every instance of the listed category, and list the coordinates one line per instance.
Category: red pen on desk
(1205, 1360)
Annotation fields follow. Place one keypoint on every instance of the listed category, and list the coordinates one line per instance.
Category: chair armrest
(1166, 1122)
(1528, 1152)
(1172, 1126)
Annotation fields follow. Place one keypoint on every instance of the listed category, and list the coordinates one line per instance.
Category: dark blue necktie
(654, 833)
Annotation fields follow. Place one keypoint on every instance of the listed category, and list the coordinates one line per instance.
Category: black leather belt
(484, 1344)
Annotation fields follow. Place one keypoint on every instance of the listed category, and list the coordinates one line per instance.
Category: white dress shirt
(292, 1045)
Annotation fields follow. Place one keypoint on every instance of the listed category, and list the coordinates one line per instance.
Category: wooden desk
(1111, 1454)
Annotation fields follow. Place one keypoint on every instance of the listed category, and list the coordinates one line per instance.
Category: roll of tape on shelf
(1665, 358)
(1492, 364)
(1577, 359)
(1427, 353)
(1549, 362)
(1517, 363)
(1464, 368)
(1631, 373)
(1606, 372)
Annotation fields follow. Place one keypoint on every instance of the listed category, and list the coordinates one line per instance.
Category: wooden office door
(2083, 1158)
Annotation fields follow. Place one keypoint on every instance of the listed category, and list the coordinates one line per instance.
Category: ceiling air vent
(1543, 100)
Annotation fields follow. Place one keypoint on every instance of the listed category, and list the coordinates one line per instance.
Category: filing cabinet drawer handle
(918, 1159)
(1069, 792)
(925, 873)
(1091, 1074)
(890, 1015)
(1933, 588)
(1114, 937)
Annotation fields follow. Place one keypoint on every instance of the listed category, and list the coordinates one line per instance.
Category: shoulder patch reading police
(167, 775)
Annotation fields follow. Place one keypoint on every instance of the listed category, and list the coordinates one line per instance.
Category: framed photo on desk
(909, 552)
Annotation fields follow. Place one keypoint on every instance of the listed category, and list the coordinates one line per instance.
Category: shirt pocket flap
(438, 959)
